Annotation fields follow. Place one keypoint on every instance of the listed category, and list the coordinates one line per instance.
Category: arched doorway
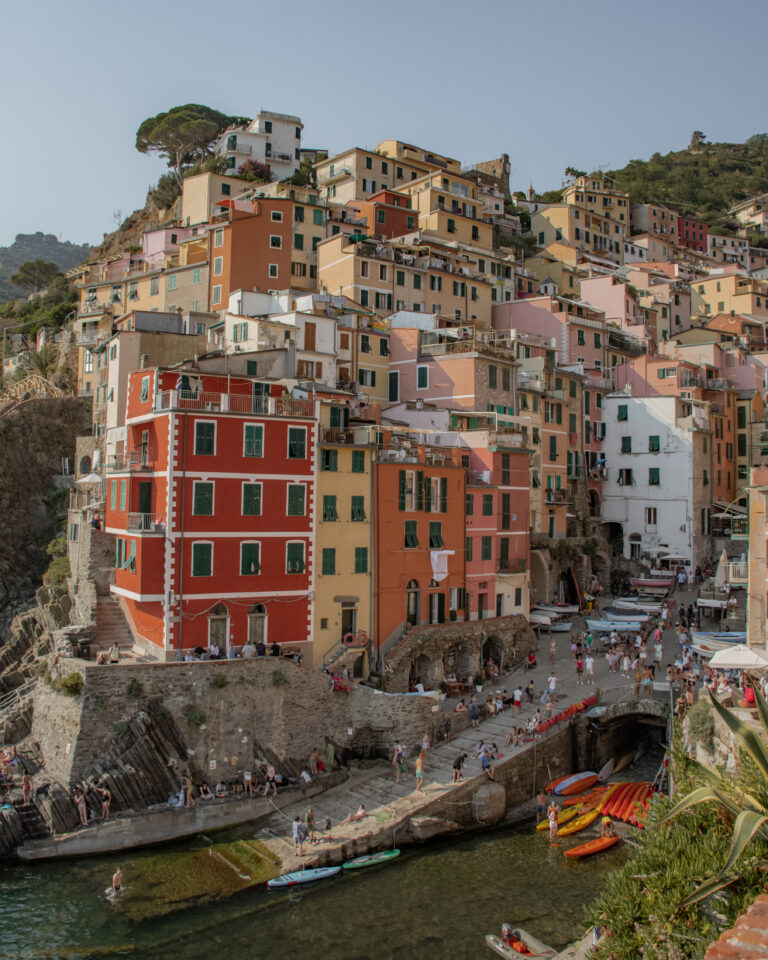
(493, 652)
(85, 466)
(412, 605)
(594, 503)
(257, 624)
(540, 588)
(615, 533)
(218, 626)
(459, 661)
(424, 671)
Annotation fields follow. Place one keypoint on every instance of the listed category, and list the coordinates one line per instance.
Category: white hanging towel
(439, 560)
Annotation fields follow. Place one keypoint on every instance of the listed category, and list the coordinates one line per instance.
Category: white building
(271, 138)
(658, 491)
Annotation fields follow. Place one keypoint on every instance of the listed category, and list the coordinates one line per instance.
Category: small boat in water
(606, 626)
(371, 859)
(635, 616)
(591, 846)
(517, 943)
(303, 876)
(557, 608)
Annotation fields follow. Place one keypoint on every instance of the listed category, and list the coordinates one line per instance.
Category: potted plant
(442, 689)
(479, 682)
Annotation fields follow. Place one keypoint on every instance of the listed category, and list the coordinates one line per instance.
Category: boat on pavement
(725, 636)
(576, 783)
(303, 876)
(591, 846)
(560, 626)
(606, 626)
(558, 608)
(655, 585)
(520, 943)
(636, 603)
(639, 616)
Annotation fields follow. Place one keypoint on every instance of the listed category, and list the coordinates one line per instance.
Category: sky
(552, 83)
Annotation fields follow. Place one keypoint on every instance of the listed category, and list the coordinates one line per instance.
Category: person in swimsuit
(271, 782)
(117, 881)
(552, 816)
(541, 801)
(420, 771)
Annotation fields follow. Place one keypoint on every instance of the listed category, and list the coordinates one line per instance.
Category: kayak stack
(627, 802)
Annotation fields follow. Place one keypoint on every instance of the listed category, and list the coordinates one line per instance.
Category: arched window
(257, 624)
(412, 610)
(85, 465)
(218, 626)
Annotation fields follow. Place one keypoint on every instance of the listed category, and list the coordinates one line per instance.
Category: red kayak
(591, 846)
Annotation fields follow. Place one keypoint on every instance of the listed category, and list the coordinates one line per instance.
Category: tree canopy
(182, 135)
(35, 275)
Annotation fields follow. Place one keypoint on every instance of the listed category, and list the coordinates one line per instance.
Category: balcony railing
(144, 523)
(557, 496)
(717, 383)
(465, 346)
(738, 572)
(238, 403)
(135, 460)
(740, 528)
(511, 565)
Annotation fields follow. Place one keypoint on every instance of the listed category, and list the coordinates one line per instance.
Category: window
(294, 557)
(276, 241)
(218, 266)
(329, 460)
(410, 222)
(205, 438)
(487, 504)
(369, 163)
(225, 189)
(381, 216)
(144, 389)
(154, 286)
(218, 238)
(297, 443)
(417, 281)
(654, 444)
(492, 379)
(598, 340)
(361, 559)
(486, 548)
(518, 596)
(650, 516)
(251, 499)
(626, 444)
(250, 559)
(298, 214)
(367, 378)
(358, 508)
(328, 562)
(654, 476)
(383, 347)
(625, 477)
(172, 281)
(706, 478)
(317, 218)
(276, 216)
(358, 461)
(622, 412)
(422, 378)
(580, 338)
(216, 294)
(394, 387)
(202, 499)
(435, 534)
(451, 226)
(297, 494)
(411, 534)
(202, 559)
(553, 447)
(469, 505)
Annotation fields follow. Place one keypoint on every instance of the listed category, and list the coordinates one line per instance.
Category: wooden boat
(590, 847)
(303, 876)
(580, 823)
(724, 636)
(655, 585)
(638, 616)
(606, 626)
(539, 619)
(624, 760)
(709, 603)
(561, 626)
(532, 946)
(706, 648)
(371, 859)
(636, 603)
(559, 608)
(576, 783)
(566, 815)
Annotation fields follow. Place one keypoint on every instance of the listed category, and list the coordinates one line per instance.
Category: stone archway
(85, 466)
(424, 670)
(493, 650)
(460, 660)
(540, 577)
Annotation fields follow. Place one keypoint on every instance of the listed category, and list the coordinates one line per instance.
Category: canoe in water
(371, 859)
(591, 846)
(580, 823)
(578, 783)
(303, 876)
(564, 817)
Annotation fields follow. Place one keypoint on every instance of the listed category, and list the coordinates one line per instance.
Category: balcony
(740, 528)
(717, 383)
(239, 147)
(470, 345)
(511, 565)
(626, 344)
(687, 382)
(82, 500)
(600, 383)
(738, 573)
(558, 497)
(144, 523)
(125, 463)
(236, 403)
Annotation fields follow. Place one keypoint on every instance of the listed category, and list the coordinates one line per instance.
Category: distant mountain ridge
(30, 246)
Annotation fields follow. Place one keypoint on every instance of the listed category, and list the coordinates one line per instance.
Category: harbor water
(434, 901)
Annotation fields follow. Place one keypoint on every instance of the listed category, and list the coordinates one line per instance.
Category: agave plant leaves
(747, 824)
(746, 736)
(706, 889)
(701, 795)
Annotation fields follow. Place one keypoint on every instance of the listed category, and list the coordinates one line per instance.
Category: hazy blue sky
(550, 82)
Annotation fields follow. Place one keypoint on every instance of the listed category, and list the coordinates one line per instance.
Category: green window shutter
(401, 492)
(361, 559)
(317, 218)
(205, 438)
(335, 416)
(487, 504)
(295, 557)
(428, 494)
(358, 508)
(654, 445)
(623, 412)
(251, 499)
(296, 498)
(518, 596)
(506, 380)
(470, 505)
(654, 476)
(553, 447)
(123, 494)
(492, 377)
(119, 553)
(571, 388)
(435, 534)
(297, 443)
(250, 559)
(443, 495)
(203, 500)
(329, 561)
(626, 444)
(358, 461)
(411, 533)
(486, 548)
(113, 494)
(201, 559)
(420, 490)
(254, 440)
(329, 508)
(422, 378)
(251, 368)
(298, 241)
(559, 412)
(468, 549)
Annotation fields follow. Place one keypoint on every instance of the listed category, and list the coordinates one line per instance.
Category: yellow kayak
(624, 761)
(579, 823)
(568, 814)
(609, 793)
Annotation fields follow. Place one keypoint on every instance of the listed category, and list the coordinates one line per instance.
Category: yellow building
(362, 356)
(549, 264)
(201, 193)
(449, 208)
(729, 293)
(343, 536)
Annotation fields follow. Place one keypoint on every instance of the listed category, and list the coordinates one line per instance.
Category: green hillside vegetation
(702, 181)
(35, 246)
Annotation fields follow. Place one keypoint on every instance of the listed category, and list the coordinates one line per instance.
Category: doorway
(412, 603)
(257, 624)
(144, 497)
(437, 608)
(348, 620)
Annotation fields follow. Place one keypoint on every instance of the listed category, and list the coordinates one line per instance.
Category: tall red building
(692, 234)
(212, 507)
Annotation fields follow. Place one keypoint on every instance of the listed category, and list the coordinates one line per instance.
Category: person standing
(474, 711)
(458, 763)
(420, 771)
(271, 780)
(552, 650)
(541, 802)
(309, 825)
(552, 683)
(589, 664)
(117, 881)
(298, 837)
(517, 700)
(188, 799)
(579, 670)
(552, 816)
(82, 809)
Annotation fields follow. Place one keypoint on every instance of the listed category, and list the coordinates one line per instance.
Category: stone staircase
(33, 825)
(111, 626)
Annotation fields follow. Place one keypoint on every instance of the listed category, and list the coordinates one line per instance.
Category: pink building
(616, 301)
(156, 244)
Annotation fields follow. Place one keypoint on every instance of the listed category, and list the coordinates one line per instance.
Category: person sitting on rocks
(361, 814)
(205, 791)
(220, 791)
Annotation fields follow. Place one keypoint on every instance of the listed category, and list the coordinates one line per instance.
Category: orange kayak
(582, 784)
(591, 846)
(550, 787)
(609, 793)
(632, 799)
(597, 793)
(617, 799)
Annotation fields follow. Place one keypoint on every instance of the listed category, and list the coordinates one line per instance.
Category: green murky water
(434, 901)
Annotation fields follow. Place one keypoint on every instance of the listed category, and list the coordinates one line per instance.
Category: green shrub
(57, 572)
(71, 685)
(134, 689)
(218, 681)
(701, 725)
(120, 729)
(158, 712)
(194, 716)
(279, 679)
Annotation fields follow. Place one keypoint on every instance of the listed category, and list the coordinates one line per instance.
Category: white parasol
(739, 657)
(721, 574)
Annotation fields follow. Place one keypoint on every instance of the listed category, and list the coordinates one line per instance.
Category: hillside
(30, 246)
(703, 182)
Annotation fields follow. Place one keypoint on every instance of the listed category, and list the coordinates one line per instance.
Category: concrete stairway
(111, 626)
(32, 823)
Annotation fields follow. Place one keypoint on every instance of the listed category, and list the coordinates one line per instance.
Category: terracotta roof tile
(748, 940)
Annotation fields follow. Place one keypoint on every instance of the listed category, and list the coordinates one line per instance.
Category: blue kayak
(303, 876)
